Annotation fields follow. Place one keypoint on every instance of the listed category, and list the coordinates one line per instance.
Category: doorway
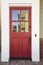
(20, 32)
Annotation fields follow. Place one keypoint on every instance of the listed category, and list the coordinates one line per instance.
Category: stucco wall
(41, 18)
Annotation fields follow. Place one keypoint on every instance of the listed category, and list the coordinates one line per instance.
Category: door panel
(15, 44)
(20, 32)
(26, 47)
(25, 44)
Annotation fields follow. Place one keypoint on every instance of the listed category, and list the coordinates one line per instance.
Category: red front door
(20, 32)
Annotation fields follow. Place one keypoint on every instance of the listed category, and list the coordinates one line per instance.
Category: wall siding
(41, 48)
(41, 28)
(41, 18)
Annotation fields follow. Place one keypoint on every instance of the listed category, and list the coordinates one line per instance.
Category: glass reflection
(20, 26)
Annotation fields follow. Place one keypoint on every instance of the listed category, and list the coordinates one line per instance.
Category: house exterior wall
(41, 28)
(41, 18)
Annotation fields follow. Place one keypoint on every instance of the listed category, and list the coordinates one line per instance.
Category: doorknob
(35, 35)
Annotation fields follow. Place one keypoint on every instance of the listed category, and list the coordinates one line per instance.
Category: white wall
(35, 30)
(5, 29)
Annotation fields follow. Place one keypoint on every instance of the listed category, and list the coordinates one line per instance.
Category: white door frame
(35, 45)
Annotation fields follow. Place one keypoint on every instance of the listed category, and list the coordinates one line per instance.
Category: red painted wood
(20, 43)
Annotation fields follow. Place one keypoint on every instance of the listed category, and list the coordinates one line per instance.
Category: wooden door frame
(5, 28)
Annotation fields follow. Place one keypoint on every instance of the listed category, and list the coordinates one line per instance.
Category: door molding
(35, 53)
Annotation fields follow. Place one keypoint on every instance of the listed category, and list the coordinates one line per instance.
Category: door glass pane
(15, 26)
(20, 15)
(24, 14)
(24, 26)
(15, 14)
(20, 26)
